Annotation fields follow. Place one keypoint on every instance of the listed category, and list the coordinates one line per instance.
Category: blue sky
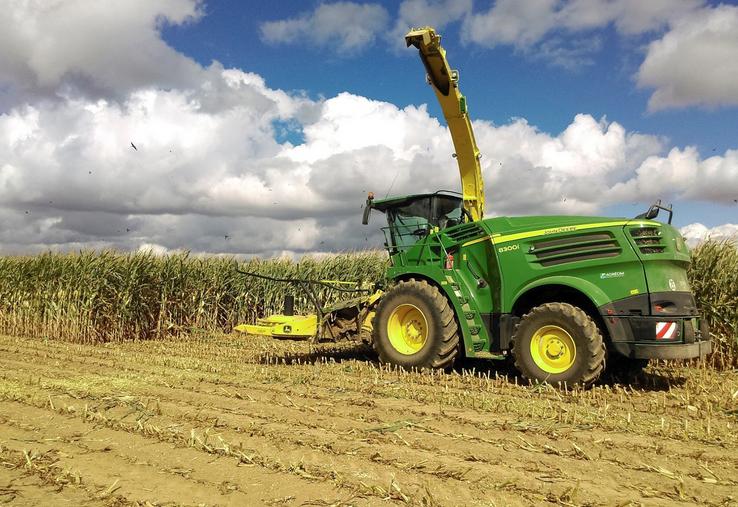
(501, 82)
(259, 126)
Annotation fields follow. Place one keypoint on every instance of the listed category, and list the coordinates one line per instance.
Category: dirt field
(236, 420)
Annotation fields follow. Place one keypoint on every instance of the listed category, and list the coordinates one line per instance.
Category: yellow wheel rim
(553, 349)
(407, 329)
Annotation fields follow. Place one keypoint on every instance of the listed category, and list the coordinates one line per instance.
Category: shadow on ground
(661, 377)
(321, 354)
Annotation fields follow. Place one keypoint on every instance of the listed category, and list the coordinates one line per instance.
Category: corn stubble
(218, 414)
(101, 297)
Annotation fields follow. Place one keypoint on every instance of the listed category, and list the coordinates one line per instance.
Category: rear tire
(415, 327)
(559, 343)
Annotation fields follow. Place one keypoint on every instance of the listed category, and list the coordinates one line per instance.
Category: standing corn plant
(714, 278)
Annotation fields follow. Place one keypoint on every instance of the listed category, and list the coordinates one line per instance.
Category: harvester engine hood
(665, 258)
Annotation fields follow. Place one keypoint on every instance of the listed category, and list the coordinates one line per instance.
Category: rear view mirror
(653, 211)
(367, 208)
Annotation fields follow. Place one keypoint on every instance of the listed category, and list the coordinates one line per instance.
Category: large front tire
(559, 343)
(414, 327)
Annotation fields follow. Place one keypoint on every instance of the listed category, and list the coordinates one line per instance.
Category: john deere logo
(672, 284)
(557, 230)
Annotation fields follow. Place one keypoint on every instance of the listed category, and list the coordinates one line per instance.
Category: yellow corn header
(343, 320)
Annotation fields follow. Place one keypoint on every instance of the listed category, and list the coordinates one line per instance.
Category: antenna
(392, 184)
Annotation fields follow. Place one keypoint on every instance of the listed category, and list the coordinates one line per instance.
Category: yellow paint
(497, 239)
(445, 82)
(304, 326)
(293, 326)
(368, 325)
(479, 240)
(374, 297)
(552, 349)
(407, 329)
(633, 292)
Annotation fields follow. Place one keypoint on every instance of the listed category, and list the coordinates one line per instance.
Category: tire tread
(450, 336)
(595, 351)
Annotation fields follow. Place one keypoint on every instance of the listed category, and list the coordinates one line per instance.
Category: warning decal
(665, 330)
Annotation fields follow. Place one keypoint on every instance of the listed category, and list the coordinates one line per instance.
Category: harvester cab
(413, 217)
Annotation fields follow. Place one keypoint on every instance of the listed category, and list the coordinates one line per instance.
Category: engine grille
(648, 239)
(597, 245)
(465, 232)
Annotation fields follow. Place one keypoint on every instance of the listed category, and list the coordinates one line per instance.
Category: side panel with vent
(599, 262)
(587, 246)
(466, 232)
(665, 256)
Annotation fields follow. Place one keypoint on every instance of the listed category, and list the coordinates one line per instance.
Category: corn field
(714, 278)
(100, 297)
(197, 416)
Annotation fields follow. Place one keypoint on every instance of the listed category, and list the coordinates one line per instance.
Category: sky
(257, 128)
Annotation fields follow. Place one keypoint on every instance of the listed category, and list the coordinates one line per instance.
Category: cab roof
(393, 202)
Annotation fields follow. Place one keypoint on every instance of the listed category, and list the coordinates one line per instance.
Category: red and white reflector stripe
(665, 330)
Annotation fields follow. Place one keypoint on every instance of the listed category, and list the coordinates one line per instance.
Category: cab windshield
(417, 217)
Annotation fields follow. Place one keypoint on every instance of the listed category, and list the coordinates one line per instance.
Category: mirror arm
(653, 211)
(367, 208)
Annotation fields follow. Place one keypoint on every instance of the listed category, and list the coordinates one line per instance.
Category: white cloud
(529, 171)
(347, 27)
(418, 13)
(523, 23)
(209, 174)
(537, 28)
(696, 62)
(217, 180)
(90, 47)
(696, 233)
(154, 249)
(520, 23)
(630, 17)
(683, 174)
(58, 150)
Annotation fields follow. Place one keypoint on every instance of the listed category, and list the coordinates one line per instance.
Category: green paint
(498, 260)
